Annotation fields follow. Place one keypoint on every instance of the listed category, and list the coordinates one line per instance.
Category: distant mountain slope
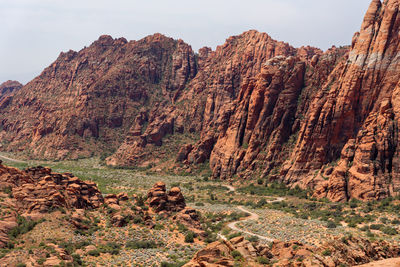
(7, 89)
(253, 108)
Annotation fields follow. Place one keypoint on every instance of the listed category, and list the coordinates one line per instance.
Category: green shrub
(189, 237)
(140, 200)
(41, 261)
(236, 255)
(169, 264)
(376, 226)
(395, 221)
(384, 220)
(8, 191)
(269, 189)
(253, 238)
(331, 224)
(389, 230)
(326, 252)
(182, 228)
(158, 226)
(20, 265)
(111, 248)
(263, 260)
(137, 220)
(353, 203)
(23, 227)
(136, 244)
(77, 259)
(94, 253)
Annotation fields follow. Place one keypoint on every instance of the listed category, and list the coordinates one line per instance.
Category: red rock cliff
(254, 107)
(348, 143)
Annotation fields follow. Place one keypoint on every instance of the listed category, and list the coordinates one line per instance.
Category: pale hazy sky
(34, 32)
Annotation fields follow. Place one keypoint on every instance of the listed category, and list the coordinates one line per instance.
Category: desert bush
(376, 226)
(169, 264)
(94, 253)
(23, 227)
(389, 230)
(136, 244)
(326, 252)
(111, 248)
(236, 255)
(331, 224)
(189, 237)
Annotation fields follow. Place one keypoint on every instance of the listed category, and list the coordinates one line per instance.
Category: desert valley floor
(259, 211)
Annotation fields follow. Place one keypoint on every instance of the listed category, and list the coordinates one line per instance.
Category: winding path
(12, 160)
(231, 188)
(252, 217)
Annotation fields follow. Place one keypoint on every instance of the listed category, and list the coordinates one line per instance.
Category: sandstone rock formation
(348, 252)
(352, 124)
(7, 90)
(254, 107)
(86, 101)
(51, 190)
(162, 201)
(35, 191)
(173, 203)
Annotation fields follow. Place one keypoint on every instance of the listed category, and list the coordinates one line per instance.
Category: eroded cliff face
(86, 101)
(202, 106)
(325, 121)
(254, 107)
(7, 90)
(350, 136)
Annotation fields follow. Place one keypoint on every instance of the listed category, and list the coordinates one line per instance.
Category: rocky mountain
(253, 108)
(7, 89)
(86, 101)
(352, 125)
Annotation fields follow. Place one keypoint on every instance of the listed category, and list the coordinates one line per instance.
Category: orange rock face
(353, 119)
(38, 190)
(35, 191)
(86, 101)
(352, 252)
(7, 90)
(254, 107)
(162, 201)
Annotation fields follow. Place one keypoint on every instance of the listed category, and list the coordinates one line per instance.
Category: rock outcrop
(86, 101)
(7, 90)
(339, 252)
(46, 190)
(162, 201)
(38, 190)
(254, 107)
(352, 121)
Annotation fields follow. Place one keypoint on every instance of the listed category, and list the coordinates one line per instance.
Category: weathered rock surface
(351, 252)
(353, 119)
(51, 190)
(35, 191)
(254, 107)
(7, 90)
(162, 201)
(383, 263)
(86, 101)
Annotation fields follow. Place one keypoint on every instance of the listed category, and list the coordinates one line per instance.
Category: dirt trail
(252, 216)
(12, 160)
